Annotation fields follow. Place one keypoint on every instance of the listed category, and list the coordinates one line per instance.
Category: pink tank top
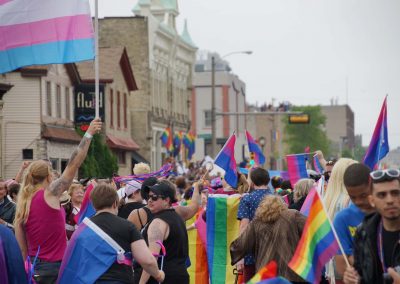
(45, 227)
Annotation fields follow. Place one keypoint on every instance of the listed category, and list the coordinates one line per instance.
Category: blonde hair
(73, 187)
(336, 197)
(270, 208)
(243, 185)
(33, 180)
(141, 168)
(302, 188)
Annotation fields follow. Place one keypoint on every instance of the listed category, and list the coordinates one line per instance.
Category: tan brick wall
(132, 32)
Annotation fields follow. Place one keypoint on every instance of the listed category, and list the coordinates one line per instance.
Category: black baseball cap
(144, 190)
(164, 190)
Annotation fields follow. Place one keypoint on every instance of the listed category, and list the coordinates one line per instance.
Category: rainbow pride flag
(44, 32)
(259, 157)
(166, 139)
(296, 167)
(222, 229)
(189, 142)
(267, 275)
(198, 270)
(226, 160)
(317, 244)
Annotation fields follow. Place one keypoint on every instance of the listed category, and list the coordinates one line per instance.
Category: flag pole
(298, 154)
(334, 230)
(96, 59)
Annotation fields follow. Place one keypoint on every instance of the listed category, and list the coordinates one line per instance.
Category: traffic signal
(299, 118)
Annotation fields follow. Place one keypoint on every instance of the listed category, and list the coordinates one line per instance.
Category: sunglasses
(378, 174)
(155, 197)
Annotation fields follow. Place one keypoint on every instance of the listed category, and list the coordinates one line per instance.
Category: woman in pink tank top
(40, 220)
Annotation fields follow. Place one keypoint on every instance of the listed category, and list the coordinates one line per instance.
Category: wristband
(88, 135)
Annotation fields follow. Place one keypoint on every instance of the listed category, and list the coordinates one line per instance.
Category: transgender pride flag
(44, 32)
(226, 160)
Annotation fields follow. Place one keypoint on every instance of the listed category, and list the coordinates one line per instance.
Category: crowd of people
(142, 221)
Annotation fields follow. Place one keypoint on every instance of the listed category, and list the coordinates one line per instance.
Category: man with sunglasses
(376, 243)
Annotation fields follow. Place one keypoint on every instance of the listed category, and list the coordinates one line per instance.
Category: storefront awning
(122, 143)
(61, 134)
(138, 158)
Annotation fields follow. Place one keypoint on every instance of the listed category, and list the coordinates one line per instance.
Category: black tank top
(176, 244)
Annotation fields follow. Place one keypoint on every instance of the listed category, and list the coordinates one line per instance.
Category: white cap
(132, 186)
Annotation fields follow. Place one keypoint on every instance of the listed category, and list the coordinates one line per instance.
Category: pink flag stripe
(46, 31)
(4, 1)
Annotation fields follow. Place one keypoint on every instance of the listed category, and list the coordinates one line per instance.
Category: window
(67, 104)
(118, 110)
(64, 164)
(111, 108)
(207, 118)
(48, 98)
(27, 154)
(121, 157)
(58, 101)
(125, 112)
(54, 163)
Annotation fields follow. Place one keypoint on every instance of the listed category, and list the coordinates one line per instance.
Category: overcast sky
(304, 51)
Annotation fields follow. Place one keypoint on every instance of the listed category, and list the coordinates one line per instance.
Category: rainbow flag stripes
(166, 139)
(189, 142)
(44, 32)
(316, 246)
(222, 229)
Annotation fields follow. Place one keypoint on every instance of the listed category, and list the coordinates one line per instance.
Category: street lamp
(213, 114)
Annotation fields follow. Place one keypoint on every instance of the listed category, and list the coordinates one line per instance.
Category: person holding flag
(264, 236)
(39, 219)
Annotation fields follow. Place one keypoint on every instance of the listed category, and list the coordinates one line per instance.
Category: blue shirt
(247, 209)
(345, 223)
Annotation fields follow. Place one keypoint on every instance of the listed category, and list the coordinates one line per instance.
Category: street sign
(299, 119)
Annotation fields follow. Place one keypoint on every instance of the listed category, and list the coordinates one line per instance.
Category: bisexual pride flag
(379, 145)
(226, 160)
(297, 169)
(87, 209)
(259, 157)
(89, 254)
(39, 32)
(317, 165)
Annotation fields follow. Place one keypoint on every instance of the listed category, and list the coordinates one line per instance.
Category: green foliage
(100, 161)
(299, 136)
(346, 153)
(359, 152)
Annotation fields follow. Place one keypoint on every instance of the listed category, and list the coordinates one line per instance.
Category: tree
(100, 161)
(299, 136)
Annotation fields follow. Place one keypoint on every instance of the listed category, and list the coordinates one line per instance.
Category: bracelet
(88, 135)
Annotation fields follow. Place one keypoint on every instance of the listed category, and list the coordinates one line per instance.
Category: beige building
(230, 96)
(37, 118)
(163, 61)
(339, 127)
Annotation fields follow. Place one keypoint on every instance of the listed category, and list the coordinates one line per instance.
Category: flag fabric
(222, 229)
(198, 271)
(317, 244)
(177, 143)
(166, 139)
(87, 209)
(189, 142)
(268, 275)
(12, 269)
(226, 160)
(39, 32)
(259, 158)
(89, 254)
(379, 145)
(164, 171)
(296, 167)
(317, 165)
